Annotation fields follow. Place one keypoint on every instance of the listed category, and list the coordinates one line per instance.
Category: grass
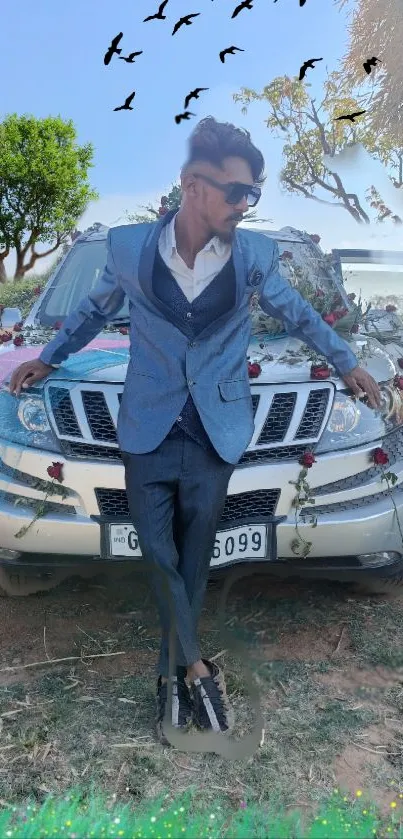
(77, 815)
(91, 721)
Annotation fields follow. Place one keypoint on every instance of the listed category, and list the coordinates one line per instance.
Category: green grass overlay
(75, 816)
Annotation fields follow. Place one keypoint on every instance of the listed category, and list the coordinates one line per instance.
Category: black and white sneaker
(182, 709)
(212, 709)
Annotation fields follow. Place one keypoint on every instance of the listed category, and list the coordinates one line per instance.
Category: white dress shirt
(208, 263)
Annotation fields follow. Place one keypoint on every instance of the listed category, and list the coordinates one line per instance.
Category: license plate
(247, 541)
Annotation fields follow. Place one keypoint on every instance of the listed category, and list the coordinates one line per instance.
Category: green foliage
(43, 185)
(310, 131)
(21, 294)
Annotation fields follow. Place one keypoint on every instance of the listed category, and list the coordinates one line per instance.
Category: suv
(353, 519)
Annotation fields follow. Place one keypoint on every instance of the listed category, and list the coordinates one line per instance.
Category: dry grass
(328, 665)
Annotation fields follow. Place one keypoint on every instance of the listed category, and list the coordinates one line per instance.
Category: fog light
(381, 558)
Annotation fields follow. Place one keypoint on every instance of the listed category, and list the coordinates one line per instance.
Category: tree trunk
(3, 275)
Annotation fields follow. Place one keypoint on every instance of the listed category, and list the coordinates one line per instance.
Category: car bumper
(361, 520)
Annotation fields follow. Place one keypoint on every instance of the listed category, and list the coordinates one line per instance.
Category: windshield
(76, 278)
(303, 267)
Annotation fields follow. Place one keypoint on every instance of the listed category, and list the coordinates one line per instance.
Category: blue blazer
(164, 365)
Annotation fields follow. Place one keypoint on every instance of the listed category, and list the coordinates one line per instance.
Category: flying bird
(159, 15)
(306, 64)
(180, 117)
(130, 58)
(229, 50)
(370, 62)
(246, 4)
(112, 49)
(351, 117)
(126, 106)
(194, 94)
(184, 21)
(302, 2)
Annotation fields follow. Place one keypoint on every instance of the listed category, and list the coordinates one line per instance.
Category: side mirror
(9, 317)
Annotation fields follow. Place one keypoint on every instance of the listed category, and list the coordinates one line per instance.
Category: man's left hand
(360, 381)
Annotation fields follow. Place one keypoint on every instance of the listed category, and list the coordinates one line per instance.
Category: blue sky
(52, 59)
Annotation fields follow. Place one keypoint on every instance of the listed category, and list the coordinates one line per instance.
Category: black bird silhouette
(112, 49)
(302, 2)
(306, 64)
(230, 50)
(351, 117)
(194, 94)
(180, 117)
(126, 106)
(184, 21)
(130, 58)
(370, 62)
(159, 15)
(246, 4)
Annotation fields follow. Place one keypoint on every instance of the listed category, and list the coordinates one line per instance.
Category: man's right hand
(27, 374)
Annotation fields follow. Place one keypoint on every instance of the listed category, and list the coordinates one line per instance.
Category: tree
(172, 201)
(376, 29)
(310, 131)
(43, 187)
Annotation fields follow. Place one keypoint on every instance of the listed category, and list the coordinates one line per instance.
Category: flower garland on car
(54, 471)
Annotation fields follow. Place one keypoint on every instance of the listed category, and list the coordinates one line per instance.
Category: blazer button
(192, 343)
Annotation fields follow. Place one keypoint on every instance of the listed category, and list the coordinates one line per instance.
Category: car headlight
(353, 423)
(24, 420)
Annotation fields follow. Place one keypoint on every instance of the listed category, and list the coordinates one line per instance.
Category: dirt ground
(328, 661)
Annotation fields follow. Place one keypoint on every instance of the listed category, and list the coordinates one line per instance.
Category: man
(186, 413)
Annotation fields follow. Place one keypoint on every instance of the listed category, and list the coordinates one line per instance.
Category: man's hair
(213, 141)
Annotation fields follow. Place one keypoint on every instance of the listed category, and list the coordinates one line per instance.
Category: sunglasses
(234, 192)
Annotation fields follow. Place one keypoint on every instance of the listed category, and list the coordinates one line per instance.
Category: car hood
(281, 360)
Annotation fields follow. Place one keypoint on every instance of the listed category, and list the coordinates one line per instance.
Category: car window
(78, 274)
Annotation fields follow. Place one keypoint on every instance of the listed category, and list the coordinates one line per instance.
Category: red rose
(164, 200)
(315, 238)
(380, 457)
(18, 340)
(351, 296)
(390, 308)
(57, 324)
(18, 326)
(398, 382)
(355, 327)
(6, 336)
(320, 371)
(400, 363)
(330, 319)
(254, 370)
(162, 211)
(286, 255)
(55, 471)
(123, 330)
(37, 289)
(307, 460)
(339, 313)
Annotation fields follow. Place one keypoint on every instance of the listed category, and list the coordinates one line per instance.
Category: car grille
(288, 419)
(263, 502)
(392, 444)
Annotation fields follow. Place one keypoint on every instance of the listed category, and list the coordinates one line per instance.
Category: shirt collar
(214, 244)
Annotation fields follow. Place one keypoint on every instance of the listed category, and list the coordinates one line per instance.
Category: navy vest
(214, 300)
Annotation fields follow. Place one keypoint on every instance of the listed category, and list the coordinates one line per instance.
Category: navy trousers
(176, 496)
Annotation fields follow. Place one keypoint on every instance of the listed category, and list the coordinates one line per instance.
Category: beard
(227, 236)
